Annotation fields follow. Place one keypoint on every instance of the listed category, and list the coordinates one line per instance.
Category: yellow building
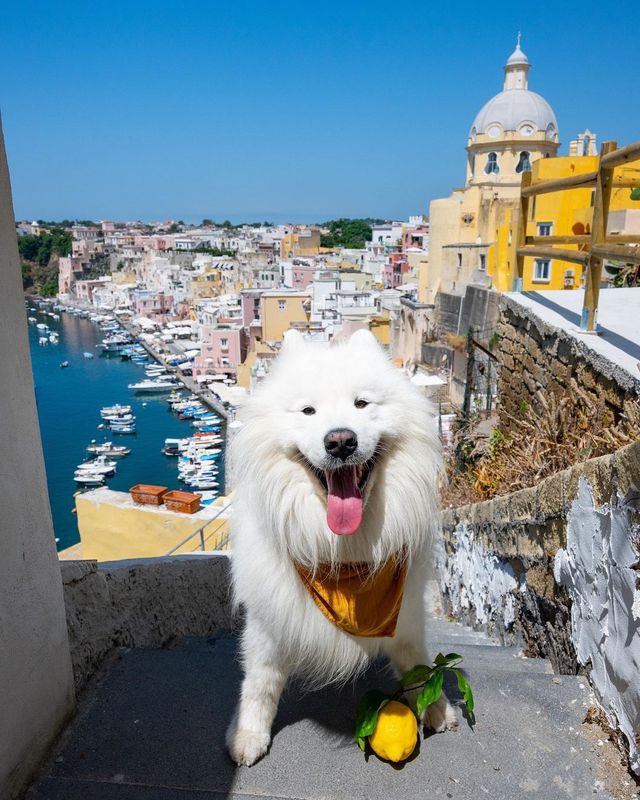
(281, 310)
(510, 133)
(565, 213)
(260, 350)
(207, 284)
(303, 242)
(113, 527)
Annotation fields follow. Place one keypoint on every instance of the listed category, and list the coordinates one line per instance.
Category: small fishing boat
(206, 498)
(116, 428)
(160, 385)
(119, 419)
(32, 320)
(43, 340)
(42, 327)
(88, 355)
(112, 411)
(54, 337)
(101, 465)
(108, 449)
(202, 483)
(86, 478)
(64, 364)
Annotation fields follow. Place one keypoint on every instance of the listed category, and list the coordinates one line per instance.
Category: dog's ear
(292, 342)
(364, 338)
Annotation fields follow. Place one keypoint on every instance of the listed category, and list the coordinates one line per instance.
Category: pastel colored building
(279, 311)
(302, 242)
(564, 213)
(152, 304)
(512, 131)
(221, 350)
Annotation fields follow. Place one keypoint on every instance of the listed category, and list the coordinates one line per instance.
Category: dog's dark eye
(361, 404)
(308, 410)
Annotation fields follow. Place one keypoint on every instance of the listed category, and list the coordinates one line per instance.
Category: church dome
(516, 108)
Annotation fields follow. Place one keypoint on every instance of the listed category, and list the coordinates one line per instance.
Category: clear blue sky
(286, 111)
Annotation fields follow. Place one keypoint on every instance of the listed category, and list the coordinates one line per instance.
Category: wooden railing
(596, 246)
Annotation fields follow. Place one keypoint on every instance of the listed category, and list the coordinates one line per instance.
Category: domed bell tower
(514, 129)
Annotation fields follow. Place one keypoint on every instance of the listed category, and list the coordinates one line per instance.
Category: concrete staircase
(152, 728)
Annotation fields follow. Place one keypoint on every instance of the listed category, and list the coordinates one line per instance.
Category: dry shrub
(552, 434)
(456, 342)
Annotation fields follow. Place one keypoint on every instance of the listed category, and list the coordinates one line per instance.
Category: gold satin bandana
(357, 600)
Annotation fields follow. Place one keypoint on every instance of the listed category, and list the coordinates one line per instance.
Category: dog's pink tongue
(344, 506)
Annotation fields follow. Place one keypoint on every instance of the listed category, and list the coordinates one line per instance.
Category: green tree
(351, 233)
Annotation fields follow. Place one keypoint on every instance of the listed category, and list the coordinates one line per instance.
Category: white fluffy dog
(335, 468)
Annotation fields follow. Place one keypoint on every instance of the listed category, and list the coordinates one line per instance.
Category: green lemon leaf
(635, 194)
(367, 713)
(361, 742)
(431, 691)
(446, 661)
(463, 685)
(419, 674)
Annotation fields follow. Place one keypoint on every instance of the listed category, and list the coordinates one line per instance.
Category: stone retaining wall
(535, 356)
(143, 603)
(556, 567)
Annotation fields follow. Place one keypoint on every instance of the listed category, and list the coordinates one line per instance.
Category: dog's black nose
(341, 443)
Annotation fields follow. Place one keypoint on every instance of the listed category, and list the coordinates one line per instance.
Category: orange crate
(147, 494)
(185, 502)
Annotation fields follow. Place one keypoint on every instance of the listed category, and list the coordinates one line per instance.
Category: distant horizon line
(234, 220)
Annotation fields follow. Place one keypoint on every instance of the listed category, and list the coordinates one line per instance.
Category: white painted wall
(36, 684)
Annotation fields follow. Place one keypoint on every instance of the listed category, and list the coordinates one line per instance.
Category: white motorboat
(108, 449)
(203, 483)
(32, 320)
(86, 478)
(113, 411)
(54, 337)
(160, 385)
(114, 427)
(43, 340)
(42, 327)
(120, 419)
(100, 465)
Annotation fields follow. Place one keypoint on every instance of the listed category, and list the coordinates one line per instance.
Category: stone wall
(36, 684)
(143, 603)
(535, 356)
(556, 568)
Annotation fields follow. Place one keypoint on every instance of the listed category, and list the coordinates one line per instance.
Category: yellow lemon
(396, 732)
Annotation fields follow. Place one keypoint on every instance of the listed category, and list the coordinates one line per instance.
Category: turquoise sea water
(69, 402)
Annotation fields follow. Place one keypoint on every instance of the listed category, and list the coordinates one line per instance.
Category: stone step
(502, 659)
(154, 729)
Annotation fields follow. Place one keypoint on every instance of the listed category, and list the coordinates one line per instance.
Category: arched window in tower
(492, 167)
(524, 164)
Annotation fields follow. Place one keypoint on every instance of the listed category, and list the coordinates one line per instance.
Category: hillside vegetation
(39, 256)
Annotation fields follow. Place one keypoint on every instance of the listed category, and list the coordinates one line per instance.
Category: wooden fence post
(604, 180)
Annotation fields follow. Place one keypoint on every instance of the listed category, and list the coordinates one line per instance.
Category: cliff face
(41, 280)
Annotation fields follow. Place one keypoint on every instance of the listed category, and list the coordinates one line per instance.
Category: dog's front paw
(441, 716)
(246, 747)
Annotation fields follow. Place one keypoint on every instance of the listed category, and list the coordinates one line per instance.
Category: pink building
(416, 237)
(250, 303)
(395, 269)
(302, 276)
(221, 351)
(84, 289)
(152, 304)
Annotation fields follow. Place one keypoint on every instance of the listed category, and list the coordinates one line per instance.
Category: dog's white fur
(280, 516)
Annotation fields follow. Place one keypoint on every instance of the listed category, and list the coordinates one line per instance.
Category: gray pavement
(153, 729)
